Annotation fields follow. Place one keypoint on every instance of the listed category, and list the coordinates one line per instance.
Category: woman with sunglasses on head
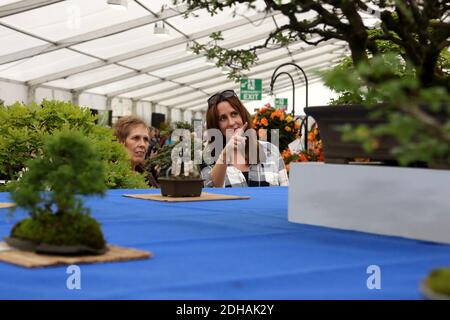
(243, 161)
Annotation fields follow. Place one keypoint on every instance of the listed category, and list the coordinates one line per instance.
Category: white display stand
(406, 202)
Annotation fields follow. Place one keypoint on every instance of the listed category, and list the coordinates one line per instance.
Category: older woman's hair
(124, 125)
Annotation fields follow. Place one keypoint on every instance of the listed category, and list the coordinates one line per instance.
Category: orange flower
(264, 122)
(303, 158)
(262, 110)
(297, 125)
(277, 114)
(273, 115)
(288, 129)
(280, 114)
(286, 153)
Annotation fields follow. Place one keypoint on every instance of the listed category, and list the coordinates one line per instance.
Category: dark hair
(124, 125)
(212, 121)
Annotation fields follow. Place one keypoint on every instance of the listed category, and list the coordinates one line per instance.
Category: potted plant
(436, 285)
(268, 118)
(50, 191)
(348, 135)
(185, 179)
(177, 164)
(400, 59)
(314, 153)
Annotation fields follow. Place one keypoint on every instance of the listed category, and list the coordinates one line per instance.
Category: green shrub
(439, 281)
(24, 127)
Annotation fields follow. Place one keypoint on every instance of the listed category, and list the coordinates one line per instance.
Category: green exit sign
(281, 103)
(251, 89)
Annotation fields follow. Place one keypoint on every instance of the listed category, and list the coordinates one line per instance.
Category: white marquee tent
(94, 55)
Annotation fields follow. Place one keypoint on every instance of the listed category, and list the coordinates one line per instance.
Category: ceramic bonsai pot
(27, 245)
(330, 118)
(180, 186)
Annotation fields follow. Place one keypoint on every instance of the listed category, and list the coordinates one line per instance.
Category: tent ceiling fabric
(85, 46)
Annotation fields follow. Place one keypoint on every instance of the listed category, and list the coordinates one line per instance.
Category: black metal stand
(272, 83)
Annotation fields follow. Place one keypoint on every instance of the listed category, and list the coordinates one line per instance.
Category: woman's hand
(237, 140)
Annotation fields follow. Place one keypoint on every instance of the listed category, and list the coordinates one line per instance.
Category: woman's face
(137, 144)
(229, 118)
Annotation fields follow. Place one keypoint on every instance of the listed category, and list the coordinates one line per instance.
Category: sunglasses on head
(214, 99)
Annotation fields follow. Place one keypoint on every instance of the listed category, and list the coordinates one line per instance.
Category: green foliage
(183, 125)
(163, 160)
(235, 60)
(417, 117)
(69, 166)
(68, 230)
(116, 160)
(24, 128)
(439, 281)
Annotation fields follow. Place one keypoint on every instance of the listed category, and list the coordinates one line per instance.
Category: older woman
(133, 133)
(236, 166)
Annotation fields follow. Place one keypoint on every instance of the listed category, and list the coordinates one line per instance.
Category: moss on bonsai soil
(439, 281)
(61, 230)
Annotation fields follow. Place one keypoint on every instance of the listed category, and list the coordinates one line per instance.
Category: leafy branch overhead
(420, 28)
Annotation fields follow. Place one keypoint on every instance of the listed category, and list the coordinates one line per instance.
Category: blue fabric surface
(240, 249)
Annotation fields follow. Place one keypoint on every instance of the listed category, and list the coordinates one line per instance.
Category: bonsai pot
(181, 186)
(330, 118)
(27, 245)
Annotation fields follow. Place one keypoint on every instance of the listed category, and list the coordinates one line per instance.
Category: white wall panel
(12, 92)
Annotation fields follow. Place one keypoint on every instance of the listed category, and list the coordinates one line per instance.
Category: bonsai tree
(437, 284)
(24, 128)
(186, 155)
(162, 162)
(413, 82)
(50, 191)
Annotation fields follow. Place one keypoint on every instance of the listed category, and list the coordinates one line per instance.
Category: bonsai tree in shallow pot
(417, 103)
(186, 155)
(50, 192)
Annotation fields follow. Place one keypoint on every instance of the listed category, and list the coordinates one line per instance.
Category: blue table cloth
(239, 249)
